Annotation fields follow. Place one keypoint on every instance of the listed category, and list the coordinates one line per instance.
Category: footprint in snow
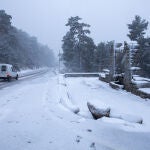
(13, 122)
(89, 130)
(74, 121)
(29, 142)
(4, 105)
(51, 111)
(92, 146)
(78, 138)
(15, 97)
(8, 100)
(9, 121)
(59, 117)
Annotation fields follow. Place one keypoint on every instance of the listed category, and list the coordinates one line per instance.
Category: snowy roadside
(126, 108)
(118, 131)
(33, 117)
(27, 72)
(24, 74)
(65, 98)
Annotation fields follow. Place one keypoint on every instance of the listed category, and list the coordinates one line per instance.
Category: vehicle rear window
(3, 68)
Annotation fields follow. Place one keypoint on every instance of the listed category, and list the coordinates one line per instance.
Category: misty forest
(19, 48)
(80, 53)
(87, 95)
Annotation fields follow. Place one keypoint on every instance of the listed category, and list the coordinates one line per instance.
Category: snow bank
(140, 82)
(65, 98)
(138, 78)
(135, 68)
(145, 90)
(103, 75)
(126, 117)
(116, 86)
(123, 105)
(26, 72)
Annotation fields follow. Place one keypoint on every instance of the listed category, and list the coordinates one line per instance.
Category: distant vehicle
(8, 72)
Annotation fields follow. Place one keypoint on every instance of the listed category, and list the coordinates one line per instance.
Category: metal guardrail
(81, 75)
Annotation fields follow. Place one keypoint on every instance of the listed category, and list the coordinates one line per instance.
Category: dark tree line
(20, 49)
(141, 57)
(78, 47)
(80, 54)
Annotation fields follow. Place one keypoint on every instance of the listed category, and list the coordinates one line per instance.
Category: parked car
(8, 72)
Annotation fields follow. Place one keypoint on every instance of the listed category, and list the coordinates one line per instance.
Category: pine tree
(78, 48)
(5, 22)
(136, 33)
(137, 29)
(68, 50)
(98, 55)
(103, 56)
(18, 48)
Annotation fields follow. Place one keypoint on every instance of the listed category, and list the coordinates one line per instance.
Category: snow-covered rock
(98, 112)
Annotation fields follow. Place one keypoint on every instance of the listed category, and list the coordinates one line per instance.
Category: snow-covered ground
(138, 78)
(26, 72)
(141, 81)
(146, 90)
(34, 117)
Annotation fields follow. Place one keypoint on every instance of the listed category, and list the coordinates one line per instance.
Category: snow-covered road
(33, 118)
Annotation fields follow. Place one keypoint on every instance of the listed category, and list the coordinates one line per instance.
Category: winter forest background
(19, 48)
(80, 53)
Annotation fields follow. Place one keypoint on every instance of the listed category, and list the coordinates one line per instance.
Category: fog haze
(46, 19)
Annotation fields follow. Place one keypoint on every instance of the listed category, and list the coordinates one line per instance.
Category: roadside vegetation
(19, 48)
(81, 54)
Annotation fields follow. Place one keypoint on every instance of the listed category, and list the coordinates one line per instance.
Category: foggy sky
(46, 19)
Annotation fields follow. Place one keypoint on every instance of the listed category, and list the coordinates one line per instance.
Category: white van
(7, 72)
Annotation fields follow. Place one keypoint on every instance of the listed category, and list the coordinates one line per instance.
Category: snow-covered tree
(20, 49)
(137, 29)
(5, 22)
(78, 47)
(136, 33)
